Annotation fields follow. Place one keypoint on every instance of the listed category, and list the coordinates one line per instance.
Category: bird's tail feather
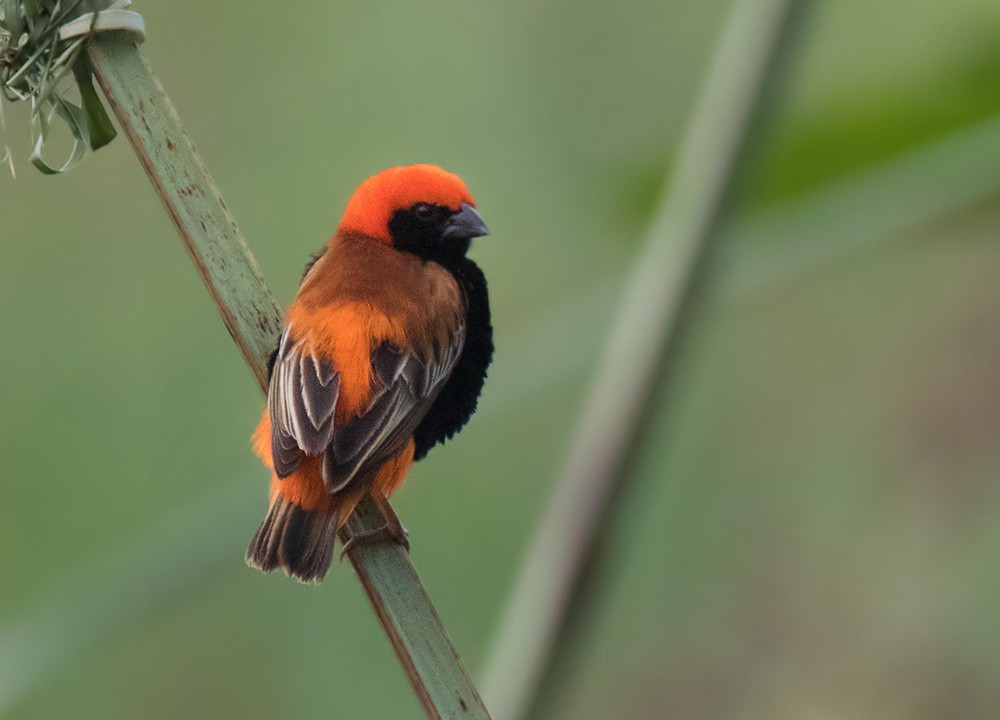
(297, 540)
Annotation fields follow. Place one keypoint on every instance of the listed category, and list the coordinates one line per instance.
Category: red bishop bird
(383, 355)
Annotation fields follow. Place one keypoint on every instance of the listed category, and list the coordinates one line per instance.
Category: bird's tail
(297, 540)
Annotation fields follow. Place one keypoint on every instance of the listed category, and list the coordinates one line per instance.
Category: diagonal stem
(548, 592)
(253, 318)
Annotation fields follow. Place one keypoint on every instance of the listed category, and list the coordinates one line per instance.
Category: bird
(383, 355)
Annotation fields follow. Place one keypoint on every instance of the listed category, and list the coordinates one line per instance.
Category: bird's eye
(424, 211)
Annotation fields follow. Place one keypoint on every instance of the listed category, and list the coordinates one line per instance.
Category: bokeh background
(814, 529)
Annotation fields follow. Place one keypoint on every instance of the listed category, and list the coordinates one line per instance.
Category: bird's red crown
(377, 198)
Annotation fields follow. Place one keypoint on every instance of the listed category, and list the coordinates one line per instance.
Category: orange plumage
(383, 354)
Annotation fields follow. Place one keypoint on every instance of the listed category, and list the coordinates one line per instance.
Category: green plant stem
(190, 197)
(253, 318)
(550, 585)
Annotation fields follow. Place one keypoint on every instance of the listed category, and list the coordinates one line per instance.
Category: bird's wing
(405, 385)
(300, 399)
(303, 395)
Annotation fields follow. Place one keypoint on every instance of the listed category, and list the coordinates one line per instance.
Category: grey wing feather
(409, 385)
(301, 400)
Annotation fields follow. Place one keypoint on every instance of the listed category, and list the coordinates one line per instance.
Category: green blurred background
(815, 529)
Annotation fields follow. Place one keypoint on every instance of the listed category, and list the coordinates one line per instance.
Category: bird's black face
(436, 232)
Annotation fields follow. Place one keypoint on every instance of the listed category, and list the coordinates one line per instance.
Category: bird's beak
(465, 224)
